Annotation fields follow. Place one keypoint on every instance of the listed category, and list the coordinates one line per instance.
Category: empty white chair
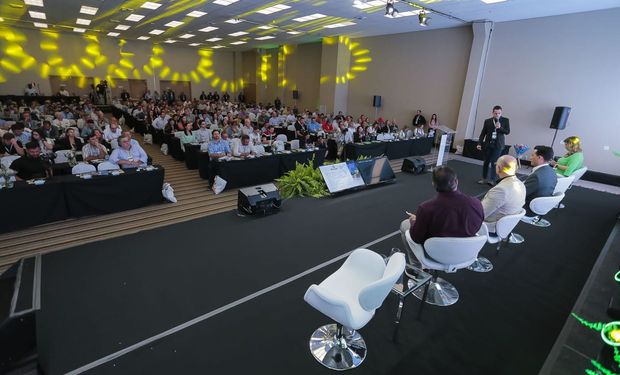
(578, 174)
(7, 160)
(107, 166)
(541, 206)
(62, 156)
(294, 144)
(282, 138)
(350, 296)
(277, 146)
(563, 184)
(447, 254)
(83, 168)
(291, 128)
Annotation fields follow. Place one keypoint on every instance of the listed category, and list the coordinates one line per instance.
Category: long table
(259, 170)
(70, 196)
(391, 149)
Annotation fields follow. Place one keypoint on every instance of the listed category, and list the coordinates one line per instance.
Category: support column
(465, 127)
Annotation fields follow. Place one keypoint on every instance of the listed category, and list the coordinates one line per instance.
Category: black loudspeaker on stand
(261, 199)
(376, 101)
(414, 165)
(295, 94)
(559, 119)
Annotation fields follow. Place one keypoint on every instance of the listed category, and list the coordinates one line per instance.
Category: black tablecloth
(393, 150)
(288, 162)
(27, 205)
(108, 194)
(239, 173)
(63, 197)
(192, 156)
(174, 147)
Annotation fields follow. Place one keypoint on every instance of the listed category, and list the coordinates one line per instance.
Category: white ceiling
(63, 14)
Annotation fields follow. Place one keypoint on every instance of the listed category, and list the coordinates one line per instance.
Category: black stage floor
(102, 298)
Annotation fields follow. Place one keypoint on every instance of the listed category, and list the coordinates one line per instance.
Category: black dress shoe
(491, 183)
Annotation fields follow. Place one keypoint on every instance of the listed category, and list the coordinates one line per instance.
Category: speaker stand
(376, 113)
(554, 135)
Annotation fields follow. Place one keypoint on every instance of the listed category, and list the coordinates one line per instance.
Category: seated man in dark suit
(541, 182)
(450, 214)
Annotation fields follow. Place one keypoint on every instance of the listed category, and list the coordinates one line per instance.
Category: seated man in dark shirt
(30, 165)
(450, 214)
(11, 146)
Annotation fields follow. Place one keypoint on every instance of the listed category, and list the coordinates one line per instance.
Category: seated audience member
(113, 131)
(28, 121)
(573, 160)
(10, 145)
(418, 131)
(50, 130)
(45, 146)
(127, 133)
(128, 156)
(541, 182)
(245, 148)
(255, 137)
(63, 91)
(450, 214)
(188, 136)
(314, 126)
(99, 134)
(359, 135)
(88, 129)
(30, 165)
(507, 197)
(218, 147)
(203, 134)
(19, 132)
(93, 150)
(70, 142)
(160, 122)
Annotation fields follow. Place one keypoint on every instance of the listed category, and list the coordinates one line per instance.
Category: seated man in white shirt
(127, 155)
(245, 149)
(161, 121)
(203, 134)
(113, 131)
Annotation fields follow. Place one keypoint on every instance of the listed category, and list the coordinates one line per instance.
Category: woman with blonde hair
(573, 160)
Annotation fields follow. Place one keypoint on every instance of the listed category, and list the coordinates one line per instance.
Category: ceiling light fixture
(122, 27)
(39, 15)
(390, 10)
(214, 47)
(156, 32)
(144, 37)
(150, 5)
(293, 32)
(492, 1)
(36, 3)
(225, 2)
(266, 37)
(273, 9)
(239, 33)
(174, 23)
(423, 18)
(266, 27)
(208, 28)
(187, 36)
(82, 21)
(113, 34)
(234, 21)
(238, 42)
(170, 41)
(88, 10)
(134, 17)
(194, 44)
(79, 30)
(213, 40)
(196, 14)
(341, 24)
(37, 24)
(311, 17)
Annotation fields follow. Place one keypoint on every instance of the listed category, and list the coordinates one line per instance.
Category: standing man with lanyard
(491, 142)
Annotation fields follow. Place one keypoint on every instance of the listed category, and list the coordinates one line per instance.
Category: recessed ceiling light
(208, 28)
(88, 10)
(368, 4)
(196, 14)
(144, 37)
(234, 21)
(122, 27)
(82, 21)
(187, 36)
(150, 5)
(170, 41)
(265, 37)
(39, 15)
(238, 33)
(492, 1)
(174, 23)
(341, 24)
(156, 32)
(238, 42)
(134, 17)
(273, 9)
(113, 34)
(214, 40)
(79, 30)
(194, 44)
(266, 27)
(214, 47)
(37, 24)
(311, 17)
(293, 32)
(225, 2)
(36, 3)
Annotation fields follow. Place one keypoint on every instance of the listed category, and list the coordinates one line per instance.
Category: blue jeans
(491, 154)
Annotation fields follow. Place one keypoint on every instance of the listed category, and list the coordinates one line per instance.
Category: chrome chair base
(515, 238)
(335, 353)
(537, 221)
(481, 264)
(440, 293)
